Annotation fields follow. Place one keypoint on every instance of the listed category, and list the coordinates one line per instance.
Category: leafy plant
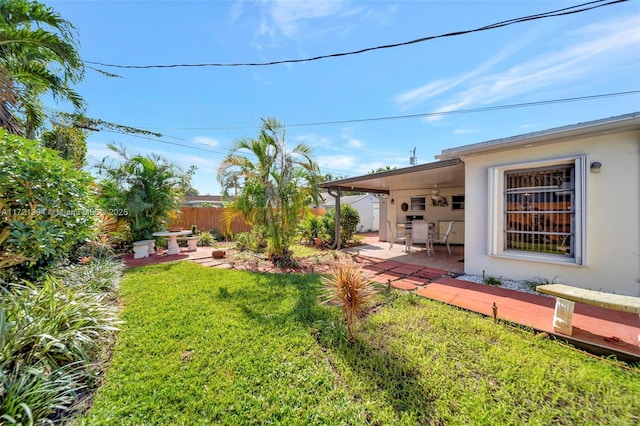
(48, 335)
(532, 284)
(47, 204)
(205, 239)
(145, 191)
(311, 227)
(350, 287)
(38, 55)
(493, 280)
(349, 218)
(252, 241)
(278, 186)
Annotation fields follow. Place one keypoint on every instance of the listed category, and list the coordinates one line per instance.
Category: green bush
(349, 219)
(47, 205)
(311, 227)
(98, 275)
(144, 191)
(48, 337)
(205, 239)
(253, 241)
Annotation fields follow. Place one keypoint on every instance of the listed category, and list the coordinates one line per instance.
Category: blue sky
(206, 109)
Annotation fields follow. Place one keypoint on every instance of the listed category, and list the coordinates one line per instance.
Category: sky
(201, 111)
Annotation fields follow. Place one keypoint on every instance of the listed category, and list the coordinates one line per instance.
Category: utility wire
(431, 114)
(224, 151)
(559, 12)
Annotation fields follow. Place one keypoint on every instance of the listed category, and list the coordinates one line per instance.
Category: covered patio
(372, 247)
(413, 200)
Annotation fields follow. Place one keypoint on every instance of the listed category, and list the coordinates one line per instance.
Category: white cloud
(205, 140)
(587, 52)
(289, 17)
(428, 91)
(354, 143)
(336, 162)
(464, 131)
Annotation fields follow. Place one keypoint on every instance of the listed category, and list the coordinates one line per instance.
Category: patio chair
(444, 239)
(399, 237)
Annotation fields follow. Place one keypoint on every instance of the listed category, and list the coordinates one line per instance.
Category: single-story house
(204, 201)
(561, 204)
(368, 209)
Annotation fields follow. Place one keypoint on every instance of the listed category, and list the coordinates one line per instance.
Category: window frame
(496, 199)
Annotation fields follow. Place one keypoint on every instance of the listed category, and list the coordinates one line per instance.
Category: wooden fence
(210, 218)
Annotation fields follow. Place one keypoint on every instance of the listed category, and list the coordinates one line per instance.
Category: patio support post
(337, 217)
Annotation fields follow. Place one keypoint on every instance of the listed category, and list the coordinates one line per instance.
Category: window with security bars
(539, 210)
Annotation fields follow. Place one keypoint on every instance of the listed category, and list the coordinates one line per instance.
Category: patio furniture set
(144, 248)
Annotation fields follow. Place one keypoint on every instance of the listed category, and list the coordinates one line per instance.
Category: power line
(432, 114)
(224, 151)
(559, 12)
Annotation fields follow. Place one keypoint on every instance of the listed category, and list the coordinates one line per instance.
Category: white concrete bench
(192, 243)
(139, 250)
(566, 296)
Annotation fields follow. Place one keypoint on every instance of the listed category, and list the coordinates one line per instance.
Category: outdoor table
(172, 237)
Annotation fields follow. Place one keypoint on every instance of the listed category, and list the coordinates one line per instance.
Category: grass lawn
(201, 345)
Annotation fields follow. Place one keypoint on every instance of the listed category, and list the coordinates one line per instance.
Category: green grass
(207, 346)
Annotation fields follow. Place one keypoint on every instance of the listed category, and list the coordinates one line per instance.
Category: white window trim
(496, 211)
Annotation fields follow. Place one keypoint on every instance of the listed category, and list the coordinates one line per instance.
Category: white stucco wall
(365, 210)
(612, 215)
(432, 213)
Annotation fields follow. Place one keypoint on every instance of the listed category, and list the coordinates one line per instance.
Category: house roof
(617, 124)
(350, 199)
(446, 173)
(449, 170)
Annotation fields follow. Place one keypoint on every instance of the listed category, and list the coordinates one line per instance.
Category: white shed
(368, 208)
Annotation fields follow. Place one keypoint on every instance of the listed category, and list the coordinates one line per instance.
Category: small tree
(145, 191)
(277, 186)
(349, 219)
(48, 207)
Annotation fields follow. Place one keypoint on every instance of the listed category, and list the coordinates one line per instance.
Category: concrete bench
(192, 243)
(566, 296)
(143, 248)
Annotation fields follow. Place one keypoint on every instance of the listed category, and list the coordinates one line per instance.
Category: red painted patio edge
(603, 328)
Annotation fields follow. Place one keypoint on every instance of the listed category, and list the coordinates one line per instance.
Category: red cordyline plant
(350, 287)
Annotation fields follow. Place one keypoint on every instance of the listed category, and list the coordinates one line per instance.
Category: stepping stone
(403, 285)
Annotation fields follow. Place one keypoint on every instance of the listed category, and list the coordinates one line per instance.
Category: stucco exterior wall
(365, 207)
(432, 213)
(612, 259)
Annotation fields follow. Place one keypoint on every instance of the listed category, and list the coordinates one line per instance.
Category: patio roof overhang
(445, 173)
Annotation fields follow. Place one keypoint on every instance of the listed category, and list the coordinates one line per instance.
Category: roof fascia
(610, 125)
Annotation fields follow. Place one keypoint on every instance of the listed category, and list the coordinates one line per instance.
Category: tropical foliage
(144, 191)
(69, 141)
(277, 185)
(350, 287)
(349, 219)
(49, 335)
(38, 55)
(47, 205)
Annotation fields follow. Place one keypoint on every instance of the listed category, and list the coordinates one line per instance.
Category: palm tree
(144, 191)
(277, 186)
(38, 54)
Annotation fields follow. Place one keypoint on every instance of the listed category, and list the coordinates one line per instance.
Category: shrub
(205, 239)
(144, 191)
(98, 275)
(48, 335)
(47, 204)
(253, 241)
(350, 287)
(349, 218)
(311, 227)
